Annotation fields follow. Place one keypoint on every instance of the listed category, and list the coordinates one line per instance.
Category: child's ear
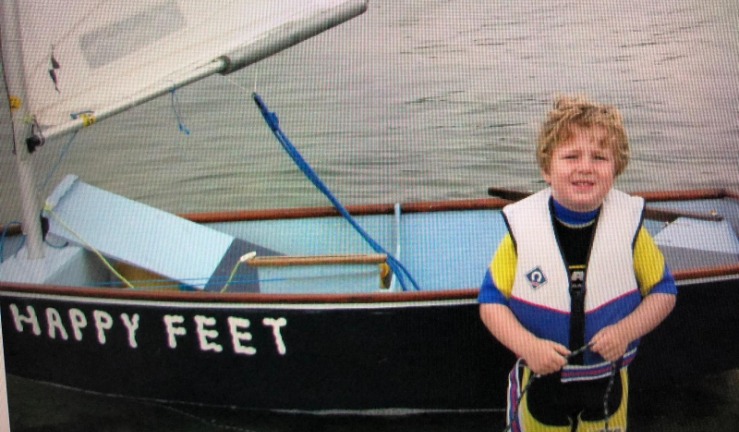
(546, 176)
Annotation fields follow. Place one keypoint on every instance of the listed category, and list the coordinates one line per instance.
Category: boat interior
(444, 246)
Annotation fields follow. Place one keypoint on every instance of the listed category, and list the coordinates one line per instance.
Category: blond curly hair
(569, 113)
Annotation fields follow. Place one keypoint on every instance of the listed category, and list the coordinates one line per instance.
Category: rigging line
(177, 114)
(244, 258)
(49, 209)
(62, 155)
(232, 81)
(271, 119)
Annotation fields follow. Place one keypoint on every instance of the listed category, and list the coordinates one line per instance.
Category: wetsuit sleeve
(649, 264)
(498, 282)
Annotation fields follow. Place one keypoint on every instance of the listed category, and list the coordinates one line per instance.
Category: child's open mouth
(583, 184)
(583, 187)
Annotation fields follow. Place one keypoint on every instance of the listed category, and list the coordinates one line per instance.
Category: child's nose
(586, 164)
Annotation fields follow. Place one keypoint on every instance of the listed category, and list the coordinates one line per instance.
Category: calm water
(421, 100)
(416, 100)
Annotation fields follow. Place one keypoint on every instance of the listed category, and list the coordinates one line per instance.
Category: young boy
(577, 281)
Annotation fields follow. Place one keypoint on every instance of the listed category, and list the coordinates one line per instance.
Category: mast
(9, 26)
(13, 65)
(4, 415)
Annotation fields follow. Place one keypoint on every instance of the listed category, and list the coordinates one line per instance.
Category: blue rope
(178, 116)
(271, 119)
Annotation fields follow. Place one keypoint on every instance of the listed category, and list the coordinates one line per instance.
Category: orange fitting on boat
(88, 119)
(15, 103)
(386, 275)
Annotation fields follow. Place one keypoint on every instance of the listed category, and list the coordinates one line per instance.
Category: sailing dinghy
(228, 309)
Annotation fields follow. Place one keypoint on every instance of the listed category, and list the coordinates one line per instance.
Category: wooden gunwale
(418, 207)
(464, 294)
(495, 203)
(686, 195)
(649, 196)
(242, 298)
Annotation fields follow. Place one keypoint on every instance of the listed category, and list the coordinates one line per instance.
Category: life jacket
(541, 298)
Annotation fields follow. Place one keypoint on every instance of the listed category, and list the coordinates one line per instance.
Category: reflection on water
(711, 404)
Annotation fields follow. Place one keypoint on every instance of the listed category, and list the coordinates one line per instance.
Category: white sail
(104, 56)
(70, 63)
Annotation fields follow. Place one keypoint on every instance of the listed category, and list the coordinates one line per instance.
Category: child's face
(581, 171)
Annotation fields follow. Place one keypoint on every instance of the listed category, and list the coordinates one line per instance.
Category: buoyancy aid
(541, 298)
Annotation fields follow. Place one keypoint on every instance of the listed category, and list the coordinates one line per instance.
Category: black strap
(577, 314)
(575, 245)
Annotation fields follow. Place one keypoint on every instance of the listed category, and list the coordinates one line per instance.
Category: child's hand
(544, 356)
(610, 342)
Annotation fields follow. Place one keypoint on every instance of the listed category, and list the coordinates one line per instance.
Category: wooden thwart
(664, 215)
(299, 260)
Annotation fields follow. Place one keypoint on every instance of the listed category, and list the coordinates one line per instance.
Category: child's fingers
(562, 350)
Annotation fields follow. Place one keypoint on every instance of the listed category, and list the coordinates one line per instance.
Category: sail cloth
(105, 56)
(133, 233)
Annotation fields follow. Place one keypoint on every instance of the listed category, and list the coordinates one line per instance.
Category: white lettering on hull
(235, 325)
(171, 322)
(30, 319)
(132, 324)
(203, 327)
(276, 325)
(78, 321)
(55, 324)
(74, 325)
(103, 323)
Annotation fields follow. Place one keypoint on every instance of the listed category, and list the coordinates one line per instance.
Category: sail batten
(105, 57)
